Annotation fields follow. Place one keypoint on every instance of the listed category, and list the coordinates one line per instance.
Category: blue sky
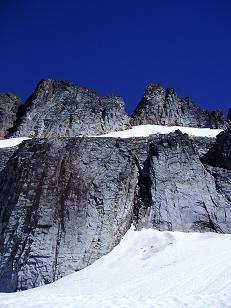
(118, 47)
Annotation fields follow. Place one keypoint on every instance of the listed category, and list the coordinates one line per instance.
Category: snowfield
(147, 130)
(147, 269)
(12, 142)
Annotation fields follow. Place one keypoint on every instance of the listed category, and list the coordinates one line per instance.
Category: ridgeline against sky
(119, 47)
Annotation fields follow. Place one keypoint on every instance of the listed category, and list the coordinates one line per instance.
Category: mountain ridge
(73, 111)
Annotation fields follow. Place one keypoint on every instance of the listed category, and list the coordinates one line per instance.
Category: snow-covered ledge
(147, 130)
(135, 131)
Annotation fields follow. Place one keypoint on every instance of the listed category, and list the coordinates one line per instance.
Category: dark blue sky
(119, 46)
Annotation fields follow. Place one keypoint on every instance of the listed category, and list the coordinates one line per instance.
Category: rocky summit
(67, 198)
(163, 107)
(60, 109)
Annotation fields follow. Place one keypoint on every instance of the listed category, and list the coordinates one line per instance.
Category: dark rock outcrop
(220, 154)
(5, 154)
(9, 104)
(60, 109)
(163, 107)
(229, 116)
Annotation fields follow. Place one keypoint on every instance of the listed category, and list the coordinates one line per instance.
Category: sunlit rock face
(163, 107)
(177, 192)
(65, 202)
(9, 104)
(60, 109)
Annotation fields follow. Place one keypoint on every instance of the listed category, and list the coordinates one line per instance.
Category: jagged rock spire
(9, 104)
(163, 106)
(60, 109)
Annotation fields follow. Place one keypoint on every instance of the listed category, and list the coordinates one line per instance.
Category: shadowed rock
(229, 116)
(220, 154)
(9, 104)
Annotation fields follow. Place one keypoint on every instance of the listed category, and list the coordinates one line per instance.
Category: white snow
(147, 269)
(146, 130)
(11, 142)
(135, 131)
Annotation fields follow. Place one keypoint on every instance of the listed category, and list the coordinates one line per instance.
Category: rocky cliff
(163, 107)
(9, 104)
(177, 192)
(67, 201)
(63, 204)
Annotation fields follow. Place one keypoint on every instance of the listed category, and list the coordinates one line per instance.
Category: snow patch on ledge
(12, 142)
(147, 130)
(135, 131)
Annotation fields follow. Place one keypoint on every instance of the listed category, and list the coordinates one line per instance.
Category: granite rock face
(60, 109)
(9, 104)
(177, 193)
(163, 107)
(65, 202)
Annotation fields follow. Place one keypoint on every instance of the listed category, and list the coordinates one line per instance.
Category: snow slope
(147, 269)
(146, 130)
(11, 142)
